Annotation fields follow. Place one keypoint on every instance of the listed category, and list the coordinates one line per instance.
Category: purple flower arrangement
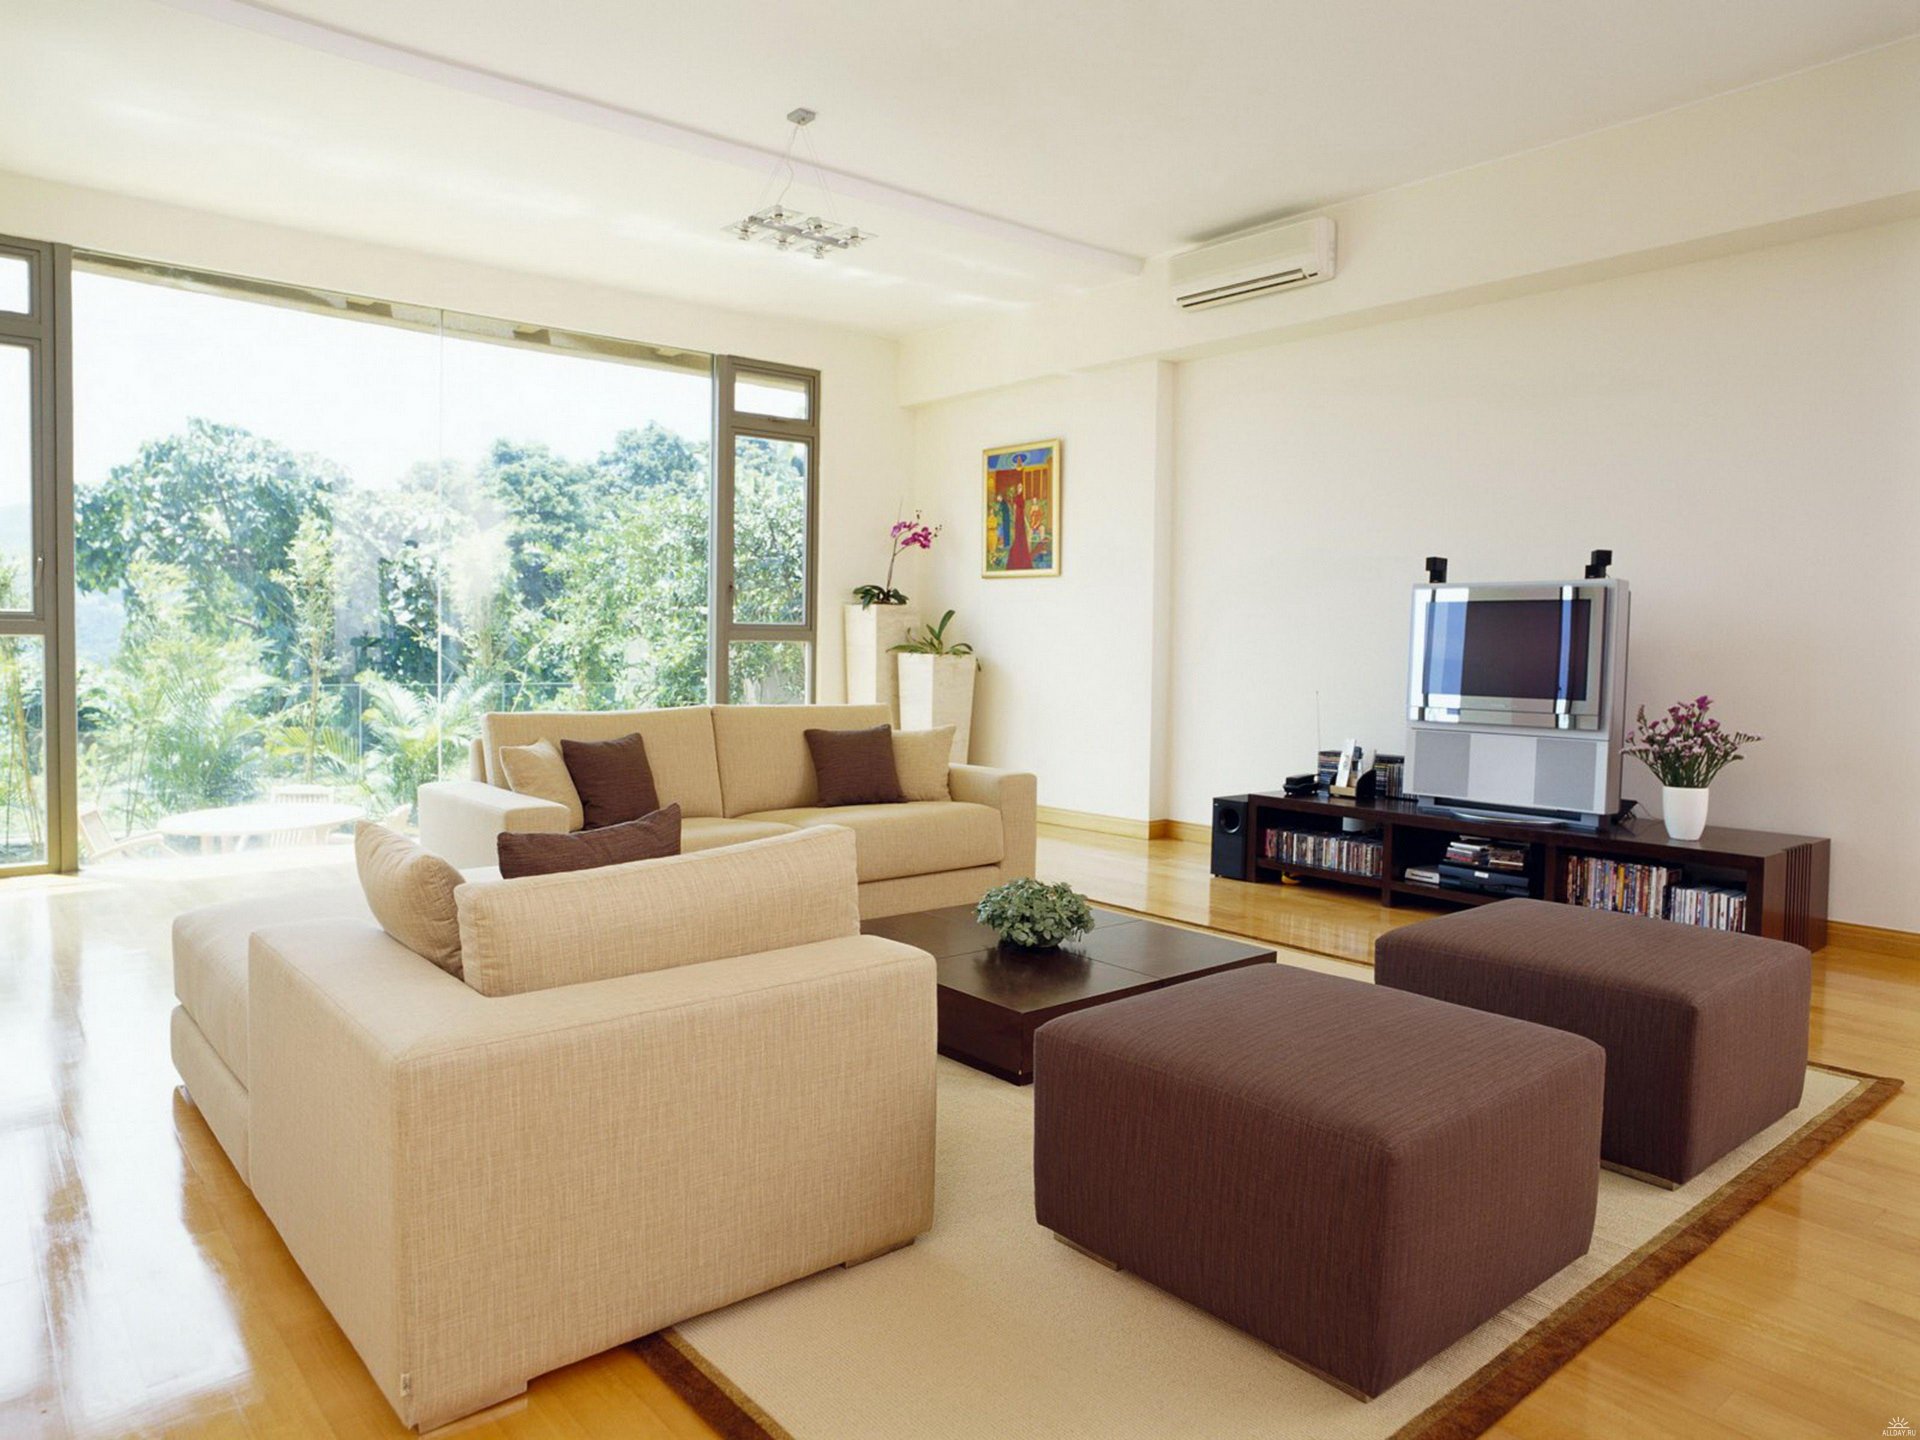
(913, 534)
(1685, 748)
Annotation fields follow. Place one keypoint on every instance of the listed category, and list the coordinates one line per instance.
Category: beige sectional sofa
(741, 772)
(484, 1186)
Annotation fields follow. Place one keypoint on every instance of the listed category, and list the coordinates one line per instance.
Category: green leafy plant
(1034, 916)
(933, 641)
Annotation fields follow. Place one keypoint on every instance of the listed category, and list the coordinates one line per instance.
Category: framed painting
(1022, 521)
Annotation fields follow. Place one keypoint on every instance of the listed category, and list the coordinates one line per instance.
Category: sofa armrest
(460, 819)
(1015, 794)
(482, 1189)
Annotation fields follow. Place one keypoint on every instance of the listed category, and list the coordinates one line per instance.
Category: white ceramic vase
(871, 632)
(1684, 809)
(937, 690)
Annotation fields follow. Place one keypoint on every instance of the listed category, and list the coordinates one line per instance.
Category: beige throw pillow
(540, 770)
(921, 757)
(410, 891)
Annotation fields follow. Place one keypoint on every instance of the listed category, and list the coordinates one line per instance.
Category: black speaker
(1232, 836)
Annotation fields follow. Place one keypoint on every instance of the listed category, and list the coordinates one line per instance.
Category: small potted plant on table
(1685, 749)
(1028, 915)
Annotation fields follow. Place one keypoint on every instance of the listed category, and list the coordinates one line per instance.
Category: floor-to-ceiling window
(316, 536)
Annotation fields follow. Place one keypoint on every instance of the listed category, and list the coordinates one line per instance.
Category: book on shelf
(1360, 855)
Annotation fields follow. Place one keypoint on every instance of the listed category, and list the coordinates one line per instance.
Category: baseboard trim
(1899, 944)
(1122, 826)
(1097, 824)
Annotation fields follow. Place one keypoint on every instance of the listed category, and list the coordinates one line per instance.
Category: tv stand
(1784, 876)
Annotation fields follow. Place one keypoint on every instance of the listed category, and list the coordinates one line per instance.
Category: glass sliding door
(766, 519)
(35, 750)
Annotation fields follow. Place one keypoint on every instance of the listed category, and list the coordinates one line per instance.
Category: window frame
(731, 425)
(44, 333)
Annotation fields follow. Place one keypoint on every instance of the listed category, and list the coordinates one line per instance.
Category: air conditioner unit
(1253, 263)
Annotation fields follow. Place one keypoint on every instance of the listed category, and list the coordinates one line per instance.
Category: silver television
(1516, 694)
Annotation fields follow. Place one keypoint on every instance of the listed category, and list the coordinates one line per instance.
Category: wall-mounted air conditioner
(1253, 263)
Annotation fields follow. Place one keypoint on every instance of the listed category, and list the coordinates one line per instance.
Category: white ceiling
(1136, 127)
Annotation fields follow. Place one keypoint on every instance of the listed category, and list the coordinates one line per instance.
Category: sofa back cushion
(550, 930)
(679, 743)
(764, 761)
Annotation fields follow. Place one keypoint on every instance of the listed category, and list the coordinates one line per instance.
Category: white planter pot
(937, 690)
(871, 631)
(1684, 810)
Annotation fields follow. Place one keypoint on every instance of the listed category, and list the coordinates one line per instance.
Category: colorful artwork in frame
(1023, 510)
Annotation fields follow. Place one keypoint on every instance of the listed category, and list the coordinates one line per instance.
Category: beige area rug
(988, 1327)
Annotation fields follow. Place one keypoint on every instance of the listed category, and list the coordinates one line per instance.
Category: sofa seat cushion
(210, 957)
(707, 833)
(917, 837)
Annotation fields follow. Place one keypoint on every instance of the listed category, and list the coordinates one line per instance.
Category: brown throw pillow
(649, 838)
(855, 767)
(613, 778)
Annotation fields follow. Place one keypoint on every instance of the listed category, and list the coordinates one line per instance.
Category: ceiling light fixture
(789, 229)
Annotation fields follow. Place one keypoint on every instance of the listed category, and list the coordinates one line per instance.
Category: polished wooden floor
(143, 1293)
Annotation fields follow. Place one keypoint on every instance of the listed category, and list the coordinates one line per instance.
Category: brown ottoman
(1356, 1176)
(1705, 1031)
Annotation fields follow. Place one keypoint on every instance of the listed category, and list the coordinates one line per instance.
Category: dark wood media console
(1785, 876)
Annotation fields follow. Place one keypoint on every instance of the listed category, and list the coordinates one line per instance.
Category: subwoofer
(1232, 837)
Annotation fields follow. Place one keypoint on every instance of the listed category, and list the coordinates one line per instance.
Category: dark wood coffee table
(993, 997)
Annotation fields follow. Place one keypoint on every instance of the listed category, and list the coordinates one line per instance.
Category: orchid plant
(913, 534)
(1685, 748)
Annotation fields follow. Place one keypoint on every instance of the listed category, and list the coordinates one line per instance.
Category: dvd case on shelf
(1358, 855)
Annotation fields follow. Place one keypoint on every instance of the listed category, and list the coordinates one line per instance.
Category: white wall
(1743, 432)
(865, 433)
(1067, 687)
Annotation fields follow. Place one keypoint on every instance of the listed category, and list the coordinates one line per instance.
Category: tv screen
(1508, 649)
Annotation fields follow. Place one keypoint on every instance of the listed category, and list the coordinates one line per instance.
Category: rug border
(705, 1387)
(1491, 1392)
